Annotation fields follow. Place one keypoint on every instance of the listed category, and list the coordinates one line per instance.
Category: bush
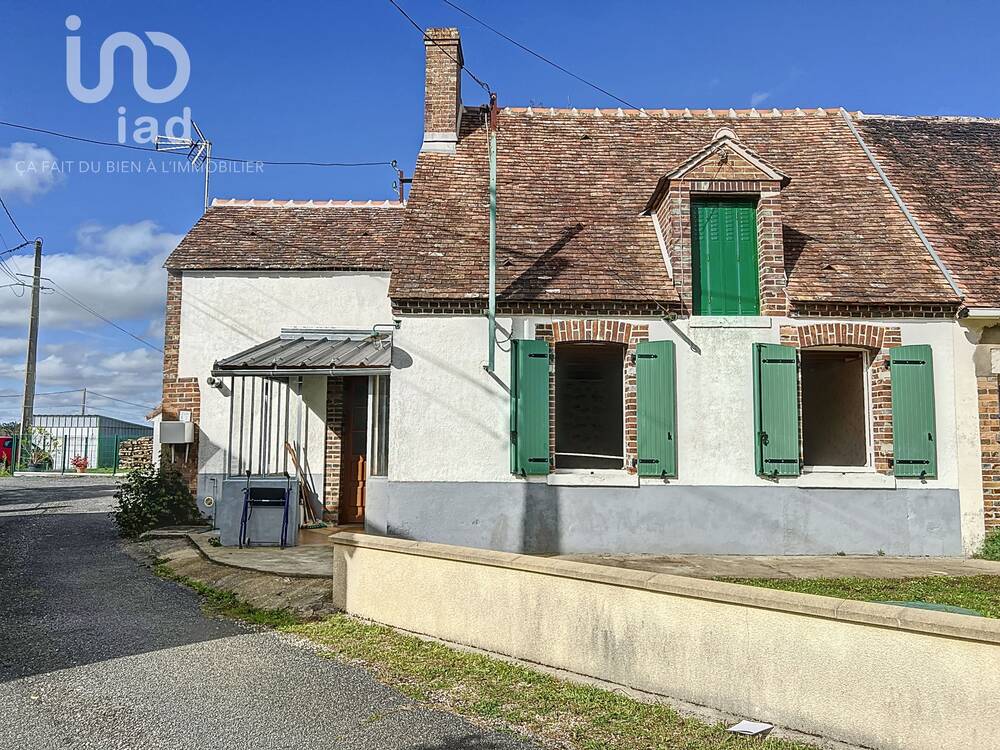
(991, 546)
(151, 497)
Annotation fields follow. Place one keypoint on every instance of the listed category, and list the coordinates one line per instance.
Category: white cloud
(27, 170)
(142, 238)
(11, 346)
(118, 272)
(759, 97)
(133, 375)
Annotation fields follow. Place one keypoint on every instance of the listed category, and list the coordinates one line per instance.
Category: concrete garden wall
(874, 675)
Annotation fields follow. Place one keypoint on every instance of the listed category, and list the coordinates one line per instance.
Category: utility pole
(83, 405)
(28, 405)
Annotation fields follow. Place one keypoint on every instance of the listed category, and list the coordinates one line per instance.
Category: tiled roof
(572, 185)
(291, 235)
(948, 171)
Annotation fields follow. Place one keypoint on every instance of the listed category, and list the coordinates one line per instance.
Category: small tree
(151, 497)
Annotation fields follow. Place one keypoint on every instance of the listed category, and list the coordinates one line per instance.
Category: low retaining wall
(881, 676)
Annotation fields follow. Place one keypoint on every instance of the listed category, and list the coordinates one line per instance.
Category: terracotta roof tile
(572, 184)
(291, 235)
(948, 172)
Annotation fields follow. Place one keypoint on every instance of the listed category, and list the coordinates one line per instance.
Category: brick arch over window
(610, 331)
(878, 340)
(865, 335)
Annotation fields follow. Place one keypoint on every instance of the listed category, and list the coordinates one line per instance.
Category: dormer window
(724, 273)
(718, 219)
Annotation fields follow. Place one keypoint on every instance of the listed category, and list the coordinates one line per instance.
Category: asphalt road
(96, 652)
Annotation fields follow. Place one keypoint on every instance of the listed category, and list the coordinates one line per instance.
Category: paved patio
(313, 558)
(833, 566)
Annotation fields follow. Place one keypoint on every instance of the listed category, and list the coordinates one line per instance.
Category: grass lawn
(490, 691)
(981, 593)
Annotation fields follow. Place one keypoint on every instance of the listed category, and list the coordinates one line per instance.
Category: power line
(119, 400)
(49, 393)
(7, 211)
(80, 390)
(540, 56)
(553, 63)
(232, 160)
(447, 54)
(63, 293)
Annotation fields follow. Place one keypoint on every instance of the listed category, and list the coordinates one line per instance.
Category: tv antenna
(199, 151)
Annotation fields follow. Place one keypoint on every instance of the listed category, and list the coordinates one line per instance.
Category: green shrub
(151, 497)
(991, 546)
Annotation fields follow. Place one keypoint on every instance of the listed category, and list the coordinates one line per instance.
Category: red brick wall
(334, 433)
(443, 80)
(179, 394)
(877, 340)
(615, 331)
(989, 437)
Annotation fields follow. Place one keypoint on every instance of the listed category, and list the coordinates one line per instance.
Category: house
(756, 332)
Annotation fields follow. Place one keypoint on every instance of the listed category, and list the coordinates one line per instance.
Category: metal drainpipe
(902, 205)
(492, 311)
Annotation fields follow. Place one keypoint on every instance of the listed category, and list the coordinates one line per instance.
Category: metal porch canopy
(312, 352)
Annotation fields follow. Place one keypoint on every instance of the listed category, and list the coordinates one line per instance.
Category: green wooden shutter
(776, 410)
(656, 395)
(913, 432)
(725, 270)
(529, 407)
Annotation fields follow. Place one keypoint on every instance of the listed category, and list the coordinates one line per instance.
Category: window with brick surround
(835, 414)
(590, 409)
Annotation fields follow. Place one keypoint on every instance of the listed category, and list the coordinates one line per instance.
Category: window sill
(847, 478)
(730, 321)
(592, 478)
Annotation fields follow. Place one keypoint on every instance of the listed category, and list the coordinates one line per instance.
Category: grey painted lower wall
(668, 519)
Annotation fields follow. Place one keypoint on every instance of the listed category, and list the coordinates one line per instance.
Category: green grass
(980, 593)
(226, 604)
(504, 695)
(491, 691)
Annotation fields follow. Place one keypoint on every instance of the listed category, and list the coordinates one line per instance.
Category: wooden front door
(354, 451)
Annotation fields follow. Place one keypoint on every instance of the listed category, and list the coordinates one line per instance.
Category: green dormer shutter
(529, 407)
(776, 410)
(914, 436)
(656, 395)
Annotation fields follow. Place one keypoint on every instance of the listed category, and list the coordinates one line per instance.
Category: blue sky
(343, 81)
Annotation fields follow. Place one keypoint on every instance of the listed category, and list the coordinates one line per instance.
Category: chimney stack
(442, 90)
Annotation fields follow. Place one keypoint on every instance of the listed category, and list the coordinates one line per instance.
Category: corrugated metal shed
(312, 353)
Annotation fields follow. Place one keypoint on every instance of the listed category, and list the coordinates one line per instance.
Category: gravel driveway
(96, 652)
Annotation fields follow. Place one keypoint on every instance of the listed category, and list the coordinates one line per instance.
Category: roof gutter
(981, 312)
(902, 204)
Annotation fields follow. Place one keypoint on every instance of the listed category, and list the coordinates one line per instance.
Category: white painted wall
(449, 418)
(223, 313)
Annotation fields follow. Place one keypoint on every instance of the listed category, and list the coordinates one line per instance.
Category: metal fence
(62, 453)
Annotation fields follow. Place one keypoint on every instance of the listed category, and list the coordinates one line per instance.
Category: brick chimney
(442, 90)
